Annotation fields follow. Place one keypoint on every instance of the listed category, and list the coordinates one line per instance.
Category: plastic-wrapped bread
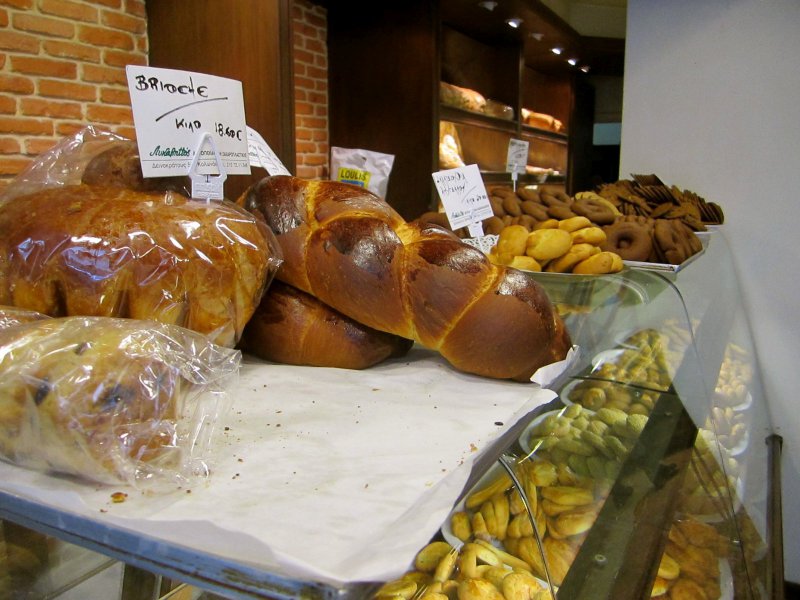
(292, 327)
(111, 400)
(351, 250)
(101, 251)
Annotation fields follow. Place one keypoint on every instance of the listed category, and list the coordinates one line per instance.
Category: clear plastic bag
(112, 400)
(69, 248)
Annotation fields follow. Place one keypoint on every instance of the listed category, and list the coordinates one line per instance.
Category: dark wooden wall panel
(238, 39)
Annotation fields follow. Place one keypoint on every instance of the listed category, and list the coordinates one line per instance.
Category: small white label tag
(261, 155)
(517, 158)
(463, 195)
(207, 187)
(171, 111)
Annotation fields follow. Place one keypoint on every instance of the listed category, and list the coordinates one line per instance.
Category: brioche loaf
(292, 327)
(351, 250)
(88, 250)
(106, 399)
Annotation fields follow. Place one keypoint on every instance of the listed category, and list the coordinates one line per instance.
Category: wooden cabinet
(386, 65)
(243, 40)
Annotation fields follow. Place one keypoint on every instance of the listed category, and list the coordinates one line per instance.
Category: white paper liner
(323, 474)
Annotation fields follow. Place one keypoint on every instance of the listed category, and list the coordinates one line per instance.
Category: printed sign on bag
(173, 109)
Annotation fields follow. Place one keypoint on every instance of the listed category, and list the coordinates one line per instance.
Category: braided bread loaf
(351, 250)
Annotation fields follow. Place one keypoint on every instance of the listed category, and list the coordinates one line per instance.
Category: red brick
(98, 74)
(69, 90)
(75, 11)
(97, 113)
(3, 60)
(321, 61)
(107, 3)
(317, 97)
(125, 131)
(44, 66)
(136, 7)
(302, 134)
(124, 22)
(101, 36)
(3, 18)
(9, 146)
(142, 44)
(23, 126)
(313, 122)
(43, 25)
(117, 58)
(19, 42)
(13, 166)
(8, 105)
(303, 56)
(37, 107)
(15, 84)
(304, 147)
(23, 4)
(304, 82)
(315, 46)
(299, 72)
(80, 52)
(66, 128)
(317, 73)
(110, 95)
(35, 146)
(303, 108)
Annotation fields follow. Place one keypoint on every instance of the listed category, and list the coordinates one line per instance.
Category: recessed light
(515, 22)
(556, 50)
(585, 68)
(572, 61)
(487, 5)
(537, 36)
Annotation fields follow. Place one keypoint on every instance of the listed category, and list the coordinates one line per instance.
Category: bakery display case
(647, 475)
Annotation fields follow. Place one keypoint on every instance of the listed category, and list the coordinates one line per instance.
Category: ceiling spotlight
(487, 5)
(556, 50)
(572, 61)
(537, 36)
(585, 68)
(515, 22)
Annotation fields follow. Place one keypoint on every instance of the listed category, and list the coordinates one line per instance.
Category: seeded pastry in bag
(350, 249)
(111, 400)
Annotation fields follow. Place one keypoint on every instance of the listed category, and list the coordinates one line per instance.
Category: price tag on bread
(464, 197)
(172, 110)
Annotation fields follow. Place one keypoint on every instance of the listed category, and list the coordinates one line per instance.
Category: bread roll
(292, 327)
(351, 250)
(95, 251)
(112, 400)
(119, 166)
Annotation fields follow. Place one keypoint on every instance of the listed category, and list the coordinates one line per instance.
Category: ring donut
(632, 241)
(593, 209)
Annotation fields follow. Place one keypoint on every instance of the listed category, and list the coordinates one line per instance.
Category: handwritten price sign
(172, 110)
(463, 195)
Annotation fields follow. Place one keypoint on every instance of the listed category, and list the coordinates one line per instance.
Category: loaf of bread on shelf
(101, 251)
(111, 400)
(119, 166)
(292, 327)
(355, 253)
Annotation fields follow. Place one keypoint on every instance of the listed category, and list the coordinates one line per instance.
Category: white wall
(711, 103)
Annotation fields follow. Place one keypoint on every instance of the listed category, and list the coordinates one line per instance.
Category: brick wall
(62, 65)
(311, 89)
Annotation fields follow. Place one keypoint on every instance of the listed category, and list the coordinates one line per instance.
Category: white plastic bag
(363, 168)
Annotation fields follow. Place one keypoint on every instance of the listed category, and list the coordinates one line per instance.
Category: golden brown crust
(351, 250)
(88, 250)
(292, 327)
